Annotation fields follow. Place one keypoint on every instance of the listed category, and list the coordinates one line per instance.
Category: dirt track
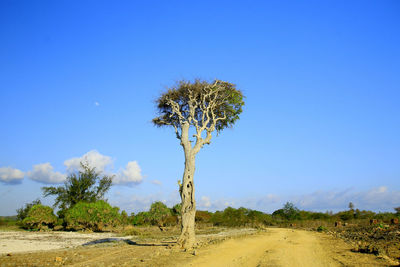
(284, 247)
(274, 247)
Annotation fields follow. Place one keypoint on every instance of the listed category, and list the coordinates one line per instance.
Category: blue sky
(320, 127)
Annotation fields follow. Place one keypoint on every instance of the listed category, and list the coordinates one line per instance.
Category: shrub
(125, 219)
(39, 218)
(8, 221)
(321, 228)
(240, 217)
(397, 209)
(92, 216)
(22, 213)
(158, 213)
(290, 212)
(203, 216)
(171, 220)
(141, 218)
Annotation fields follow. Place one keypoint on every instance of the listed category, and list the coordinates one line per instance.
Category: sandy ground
(273, 247)
(19, 241)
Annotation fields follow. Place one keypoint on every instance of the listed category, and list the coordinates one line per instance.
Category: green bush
(158, 213)
(240, 217)
(39, 218)
(92, 216)
(8, 221)
(142, 218)
(203, 216)
(176, 210)
(22, 213)
(321, 228)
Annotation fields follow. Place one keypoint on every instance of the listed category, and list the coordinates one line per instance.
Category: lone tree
(204, 107)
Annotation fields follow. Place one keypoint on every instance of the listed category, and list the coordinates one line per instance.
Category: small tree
(84, 185)
(351, 206)
(22, 213)
(206, 107)
(290, 211)
(158, 213)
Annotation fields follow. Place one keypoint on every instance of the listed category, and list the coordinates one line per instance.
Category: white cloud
(142, 201)
(44, 173)
(156, 182)
(93, 158)
(10, 175)
(205, 202)
(130, 175)
(96, 104)
(376, 199)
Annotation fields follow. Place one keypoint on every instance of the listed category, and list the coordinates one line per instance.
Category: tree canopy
(159, 212)
(206, 106)
(86, 185)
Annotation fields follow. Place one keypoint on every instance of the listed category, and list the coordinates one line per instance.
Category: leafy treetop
(206, 106)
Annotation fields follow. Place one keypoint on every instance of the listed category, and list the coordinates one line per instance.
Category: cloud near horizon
(130, 175)
(10, 175)
(44, 172)
(375, 199)
(95, 159)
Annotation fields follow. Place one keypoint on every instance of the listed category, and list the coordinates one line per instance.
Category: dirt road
(285, 247)
(273, 247)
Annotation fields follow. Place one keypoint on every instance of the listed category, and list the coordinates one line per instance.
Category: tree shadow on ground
(129, 242)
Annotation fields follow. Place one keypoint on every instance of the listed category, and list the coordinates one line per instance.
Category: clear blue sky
(321, 125)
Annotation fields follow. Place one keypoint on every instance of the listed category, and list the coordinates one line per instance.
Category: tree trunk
(187, 238)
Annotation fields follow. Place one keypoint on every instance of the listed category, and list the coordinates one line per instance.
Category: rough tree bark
(188, 210)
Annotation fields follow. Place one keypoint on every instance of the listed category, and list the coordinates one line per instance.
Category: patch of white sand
(13, 242)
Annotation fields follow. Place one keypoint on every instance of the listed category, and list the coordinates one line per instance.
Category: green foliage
(142, 218)
(363, 214)
(8, 221)
(158, 213)
(397, 209)
(308, 215)
(39, 218)
(289, 212)
(240, 217)
(22, 213)
(227, 104)
(321, 228)
(93, 216)
(124, 217)
(346, 215)
(385, 216)
(176, 210)
(85, 185)
(203, 216)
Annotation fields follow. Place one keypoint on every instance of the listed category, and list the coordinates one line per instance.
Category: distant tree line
(81, 206)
